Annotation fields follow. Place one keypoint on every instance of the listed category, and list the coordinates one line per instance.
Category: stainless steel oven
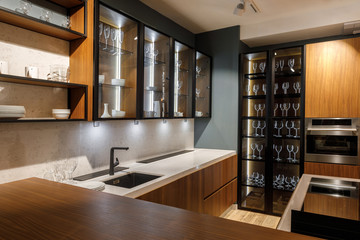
(332, 140)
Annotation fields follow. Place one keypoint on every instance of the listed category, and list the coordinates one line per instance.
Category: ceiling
(279, 20)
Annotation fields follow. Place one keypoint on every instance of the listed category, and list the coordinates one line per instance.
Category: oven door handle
(333, 129)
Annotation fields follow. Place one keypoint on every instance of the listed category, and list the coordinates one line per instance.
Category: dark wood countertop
(39, 209)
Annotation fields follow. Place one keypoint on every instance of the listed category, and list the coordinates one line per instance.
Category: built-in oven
(332, 140)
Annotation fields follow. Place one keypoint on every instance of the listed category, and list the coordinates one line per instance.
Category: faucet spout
(112, 164)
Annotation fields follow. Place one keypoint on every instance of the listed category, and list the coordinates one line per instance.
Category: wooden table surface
(39, 209)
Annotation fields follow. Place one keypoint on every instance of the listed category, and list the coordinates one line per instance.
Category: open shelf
(254, 118)
(34, 24)
(113, 86)
(255, 76)
(261, 137)
(255, 97)
(253, 159)
(279, 118)
(288, 74)
(294, 95)
(148, 61)
(38, 82)
(113, 50)
(284, 162)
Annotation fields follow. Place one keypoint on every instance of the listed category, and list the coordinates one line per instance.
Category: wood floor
(252, 218)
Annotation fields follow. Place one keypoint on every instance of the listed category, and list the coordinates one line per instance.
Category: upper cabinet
(333, 79)
(183, 80)
(156, 74)
(116, 78)
(203, 86)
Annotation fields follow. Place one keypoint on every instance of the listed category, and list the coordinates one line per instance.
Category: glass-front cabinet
(156, 74)
(253, 134)
(203, 86)
(183, 80)
(271, 128)
(117, 65)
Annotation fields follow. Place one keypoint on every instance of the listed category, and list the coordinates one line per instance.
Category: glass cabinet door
(117, 65)
(183, 80)
(156, 74)
(253, 131)
(203, 86)
(286, 125)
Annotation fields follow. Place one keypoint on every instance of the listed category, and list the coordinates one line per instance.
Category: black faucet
(112, 164)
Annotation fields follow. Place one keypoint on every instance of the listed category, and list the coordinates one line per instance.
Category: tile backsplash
(29, 149)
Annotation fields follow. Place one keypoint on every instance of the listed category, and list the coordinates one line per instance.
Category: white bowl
(12, 109)
(61, 111)
(118, 82)
(118, 114)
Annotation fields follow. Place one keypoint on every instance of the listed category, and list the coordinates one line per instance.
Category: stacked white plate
(93, 185)
(12, 111)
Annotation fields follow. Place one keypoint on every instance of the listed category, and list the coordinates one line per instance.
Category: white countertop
(170, 169)
(297, 199)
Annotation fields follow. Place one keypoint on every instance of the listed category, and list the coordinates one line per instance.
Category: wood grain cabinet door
(333, 79)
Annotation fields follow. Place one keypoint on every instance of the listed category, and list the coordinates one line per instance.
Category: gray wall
(150, 17)
(221, 130)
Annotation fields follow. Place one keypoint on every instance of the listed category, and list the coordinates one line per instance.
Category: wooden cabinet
(211, 190)
(336, 170)
(333, 79)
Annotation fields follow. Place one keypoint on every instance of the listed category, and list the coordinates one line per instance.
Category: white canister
(4, 68)
(31, 72)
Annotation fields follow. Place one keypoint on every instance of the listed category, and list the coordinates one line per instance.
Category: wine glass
(291, 63)
(259, 148)
(295, 152)
(106, 35)
(276, 66)
(113, 36)
(262, 108)
(285, 87)
(156, 53)
(276, 87)
(278, 150)
(254, 66)
(290, 149)
(70, 166)
(262, 128)
(257, 109)
(180, 83)
(198, 70)
(286, 108)
(256, 88)
(179, 62)
(121, 36)
(278, 126)
(197, 91)
(25, 7)
(101, 27)
(262, 66)
(255, 126)
(296, 107)
(281, 64)
(46, 15)
(276, 106)
(289, 128)
(253, 147)
(247, 89)
(264, 88)
(66, 23)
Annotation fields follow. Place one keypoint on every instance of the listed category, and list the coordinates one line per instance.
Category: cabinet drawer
(221, 200)
(217, 175)
(336, 170)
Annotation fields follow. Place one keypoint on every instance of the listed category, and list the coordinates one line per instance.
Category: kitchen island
(40, 209)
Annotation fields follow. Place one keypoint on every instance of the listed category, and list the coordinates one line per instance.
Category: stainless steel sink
(131, 180)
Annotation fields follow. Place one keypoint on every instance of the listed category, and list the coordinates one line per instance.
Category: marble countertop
(297, 199)
(170, 169)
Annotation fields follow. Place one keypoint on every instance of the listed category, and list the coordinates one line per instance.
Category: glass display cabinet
(117, 65)
(203, 86)
(271, 128)
(253, 131)
(287, 125)
(156, 74)
(183, 80)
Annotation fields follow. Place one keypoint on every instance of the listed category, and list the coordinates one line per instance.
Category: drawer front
(336, 170)
(221, 200)
(219, 174)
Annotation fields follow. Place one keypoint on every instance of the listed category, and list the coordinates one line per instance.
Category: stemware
(120, 36)
(113, 36)
(25, 7)
(290, 149)
(70, 166)
(179, 62)
(278, 149)
(256, 89)
(278, 127)
(295, 152)
(281, 64)
(198, 70)
(106, 35)
(197, 91)
(254, 66)
(101, 27)
(276, 87)
(262, 128)
(66, 23)
(262, 108)
(156, 53)
(276, 106)
(276, 66)
(262, 66)
(255, 126)
(46, 15)
(259, 148)
(289, 128)
(282, 108)
(257, 109)
(180, 83)
(286, 108)
(298, 87)
(264, 88)
(291, 63)
(296, 107)
(285, 87)
(253, 148)
(147, 51)
(296, 131)
(247, 89)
